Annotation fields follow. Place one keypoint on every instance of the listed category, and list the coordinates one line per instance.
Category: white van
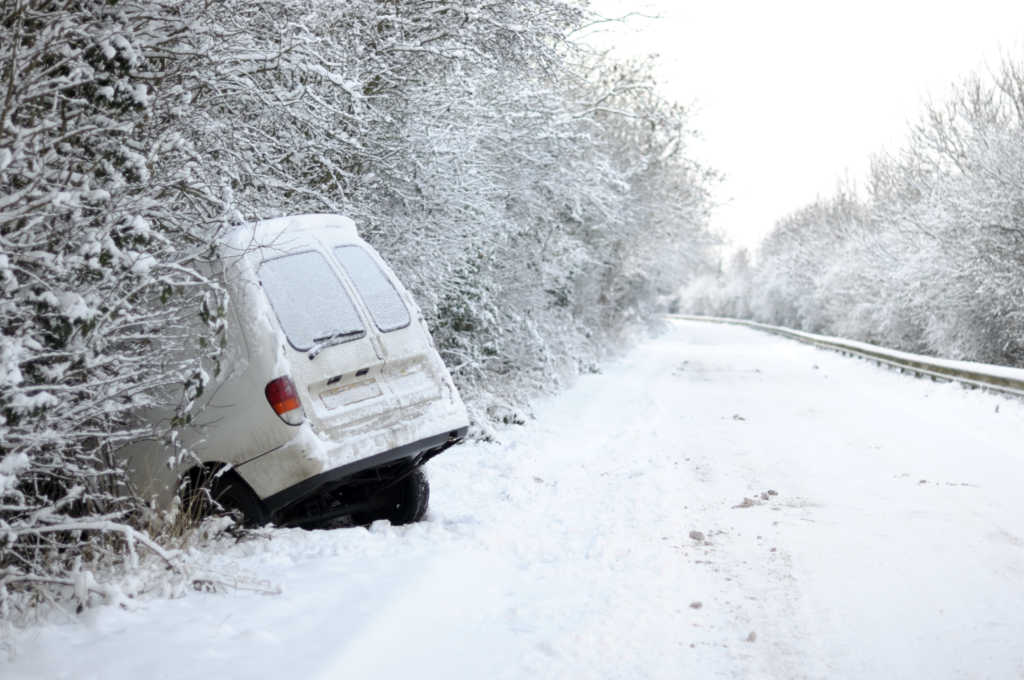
(331, 394)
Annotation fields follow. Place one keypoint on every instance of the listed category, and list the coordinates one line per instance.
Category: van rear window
(309, 299)
(373, 285)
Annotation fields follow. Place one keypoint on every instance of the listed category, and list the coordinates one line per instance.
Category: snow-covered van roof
(274, 232)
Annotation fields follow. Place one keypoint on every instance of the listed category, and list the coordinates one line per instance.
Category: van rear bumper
(423, 449)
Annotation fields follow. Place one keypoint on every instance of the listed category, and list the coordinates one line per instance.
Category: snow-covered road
(717, 504)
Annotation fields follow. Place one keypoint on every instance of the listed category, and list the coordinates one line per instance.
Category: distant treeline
(931, 260)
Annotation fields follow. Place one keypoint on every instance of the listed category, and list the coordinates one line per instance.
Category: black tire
(209, 493)
(403, 503)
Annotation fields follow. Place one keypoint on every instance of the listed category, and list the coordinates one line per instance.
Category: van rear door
(410, 373)
(335, 362)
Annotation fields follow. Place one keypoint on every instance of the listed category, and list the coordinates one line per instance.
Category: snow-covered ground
(718, 504)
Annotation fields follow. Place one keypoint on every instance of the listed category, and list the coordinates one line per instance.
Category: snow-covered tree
(536, 198)
(930, 259)
(101, 224)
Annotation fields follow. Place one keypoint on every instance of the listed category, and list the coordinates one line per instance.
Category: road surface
(718, 503)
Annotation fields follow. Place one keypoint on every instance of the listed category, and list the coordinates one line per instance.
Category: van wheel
(208, 493)
(404, 503)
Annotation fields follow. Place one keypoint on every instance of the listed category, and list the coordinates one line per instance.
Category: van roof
(270, 231)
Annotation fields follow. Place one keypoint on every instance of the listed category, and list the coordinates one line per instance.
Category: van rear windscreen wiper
(332, 339)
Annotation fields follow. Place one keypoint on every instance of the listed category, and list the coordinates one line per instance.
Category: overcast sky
(792, 95)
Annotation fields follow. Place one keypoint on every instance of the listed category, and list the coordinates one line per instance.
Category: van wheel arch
(213, 488)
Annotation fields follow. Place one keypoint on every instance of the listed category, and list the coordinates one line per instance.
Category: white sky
(792, 95)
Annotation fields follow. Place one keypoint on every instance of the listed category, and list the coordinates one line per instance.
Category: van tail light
(285, 400)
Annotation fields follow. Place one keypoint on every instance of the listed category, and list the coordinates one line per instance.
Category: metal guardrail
(999, 378)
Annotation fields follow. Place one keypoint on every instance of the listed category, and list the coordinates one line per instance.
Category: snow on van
(331, 395)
